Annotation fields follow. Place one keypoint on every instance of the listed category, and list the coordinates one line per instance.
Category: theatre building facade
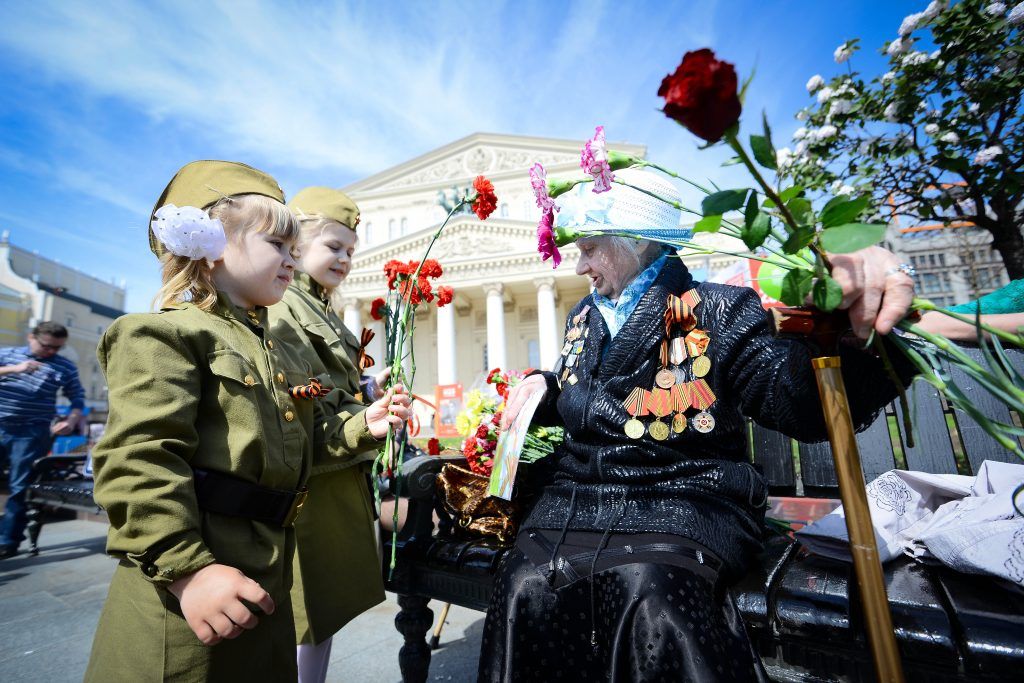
(509, 306)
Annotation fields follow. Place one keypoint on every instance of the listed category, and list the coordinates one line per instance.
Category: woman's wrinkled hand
(519, 395)
(875, 294)
(393, 408)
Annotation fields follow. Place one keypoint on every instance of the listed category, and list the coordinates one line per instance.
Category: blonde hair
(187, 280)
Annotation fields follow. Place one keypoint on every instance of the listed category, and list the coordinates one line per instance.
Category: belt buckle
(293, 512)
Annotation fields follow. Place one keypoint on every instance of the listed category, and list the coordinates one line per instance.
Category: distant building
(954, 264)
(34, 289)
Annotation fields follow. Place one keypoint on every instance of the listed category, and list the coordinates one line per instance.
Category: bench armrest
(420, 472)
(59, 467)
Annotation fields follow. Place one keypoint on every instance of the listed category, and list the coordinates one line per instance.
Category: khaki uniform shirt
(190, 388)
(337, 568)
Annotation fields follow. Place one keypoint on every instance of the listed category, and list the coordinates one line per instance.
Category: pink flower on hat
(594, 161)
(546, 239)
(539, 183)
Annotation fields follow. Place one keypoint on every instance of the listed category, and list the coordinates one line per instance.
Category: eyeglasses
(50, 347)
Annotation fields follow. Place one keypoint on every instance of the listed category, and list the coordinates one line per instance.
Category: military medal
(679, 423)
(703, 422)
(701, 366)
(658, 430)
(659, 403)
(636, 405)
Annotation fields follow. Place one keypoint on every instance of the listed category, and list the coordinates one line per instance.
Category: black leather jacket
(700, 486)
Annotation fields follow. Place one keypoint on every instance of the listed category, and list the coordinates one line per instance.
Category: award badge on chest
(572, 350)
(683, 355)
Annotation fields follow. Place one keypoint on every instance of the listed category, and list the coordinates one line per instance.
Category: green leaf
(767, 130)
(801, 210)
(708, 224)
(763, 151)
(732, 161)
(750, 213)
(843, 211)
(723, 201)
(768, 204)
(796, 286)
(746, 84)
(843, 239)
(755, 232)
(798, 240)
(790, 192)
(826, 294)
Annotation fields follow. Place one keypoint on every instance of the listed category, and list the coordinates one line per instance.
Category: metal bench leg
(413, 622)
(34, 526)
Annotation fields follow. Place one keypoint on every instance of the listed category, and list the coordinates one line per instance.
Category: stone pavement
(49, 606)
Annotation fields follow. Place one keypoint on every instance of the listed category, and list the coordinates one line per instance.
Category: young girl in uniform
(205, 453)
(337, 569)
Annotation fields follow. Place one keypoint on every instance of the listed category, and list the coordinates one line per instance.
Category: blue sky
(102, 102)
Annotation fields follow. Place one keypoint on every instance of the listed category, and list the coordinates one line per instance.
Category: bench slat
(933, 450)
(772, 453)
(875, 446)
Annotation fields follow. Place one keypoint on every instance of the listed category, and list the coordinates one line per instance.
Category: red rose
(433, 446)
(376, 309)
(445, 295)
(486, 201)
(701, 95)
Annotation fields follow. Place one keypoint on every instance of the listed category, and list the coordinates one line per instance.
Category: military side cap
(326, 203)
(202, 183)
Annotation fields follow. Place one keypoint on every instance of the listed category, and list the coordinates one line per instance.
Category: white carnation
(815, 82)
(888, 77)
(910, 23)
(986, 155)
(1016, 14)
(898, 47)
(950, 138)
(842, 53)
(824, 95)
(995, 9)
(800, 133)
(915, 58)
(190, 232)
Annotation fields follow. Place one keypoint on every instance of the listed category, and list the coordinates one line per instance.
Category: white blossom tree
(937, 138)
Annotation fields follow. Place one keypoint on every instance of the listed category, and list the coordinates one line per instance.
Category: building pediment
(495, 156)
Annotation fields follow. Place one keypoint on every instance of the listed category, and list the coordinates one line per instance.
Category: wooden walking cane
(435, 639)
(825, 329)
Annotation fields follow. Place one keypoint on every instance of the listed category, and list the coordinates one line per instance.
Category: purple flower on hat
(594, 161)
(546, 239)
(539, 183)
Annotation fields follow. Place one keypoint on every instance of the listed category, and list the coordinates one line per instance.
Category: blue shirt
(31, 397)
(616, 313)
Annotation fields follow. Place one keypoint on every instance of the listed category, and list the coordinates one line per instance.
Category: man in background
(30, 377)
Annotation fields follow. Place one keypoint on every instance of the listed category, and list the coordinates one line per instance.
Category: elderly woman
(620, 570)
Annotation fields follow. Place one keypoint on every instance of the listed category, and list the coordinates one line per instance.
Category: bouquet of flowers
(781, 226)
(409, 287)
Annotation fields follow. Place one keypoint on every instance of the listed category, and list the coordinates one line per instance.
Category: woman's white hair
(634, 255)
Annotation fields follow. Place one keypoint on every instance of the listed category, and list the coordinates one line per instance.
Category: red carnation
(486, 201)
(394, 269)
(433, 446)
(701, 95)
(377, 309)
(431, 268)
(426, 289)
(445, 294)
(482, 431)
(410, 292)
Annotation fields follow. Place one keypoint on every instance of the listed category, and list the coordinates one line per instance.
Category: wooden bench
(797, 606)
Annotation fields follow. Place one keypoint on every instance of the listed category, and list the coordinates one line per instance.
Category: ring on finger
(904, 268)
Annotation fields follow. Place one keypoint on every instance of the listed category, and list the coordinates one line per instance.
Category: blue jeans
(20, 446)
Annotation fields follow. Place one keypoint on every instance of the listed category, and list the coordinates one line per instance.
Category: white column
(351, 316)
(547, 322)
(446, 344)
(495, 326)
(376, 347)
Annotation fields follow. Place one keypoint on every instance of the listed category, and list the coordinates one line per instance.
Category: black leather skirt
(647, 607)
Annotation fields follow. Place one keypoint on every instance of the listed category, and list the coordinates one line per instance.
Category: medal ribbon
(636, 403)
(703, 396)
(365, 359)
(697, 342)
(659, 402)
(678, 311)
(682, 397)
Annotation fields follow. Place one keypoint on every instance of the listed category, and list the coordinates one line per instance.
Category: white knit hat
(625, 209)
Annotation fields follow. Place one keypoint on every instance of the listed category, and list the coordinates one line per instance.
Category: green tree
(937, 138)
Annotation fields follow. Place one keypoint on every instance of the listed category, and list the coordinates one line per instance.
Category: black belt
(224, 494)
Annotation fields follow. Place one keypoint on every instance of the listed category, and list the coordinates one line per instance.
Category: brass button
(280, 377)
(249, 380)
(289, 416)
(270, 343)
